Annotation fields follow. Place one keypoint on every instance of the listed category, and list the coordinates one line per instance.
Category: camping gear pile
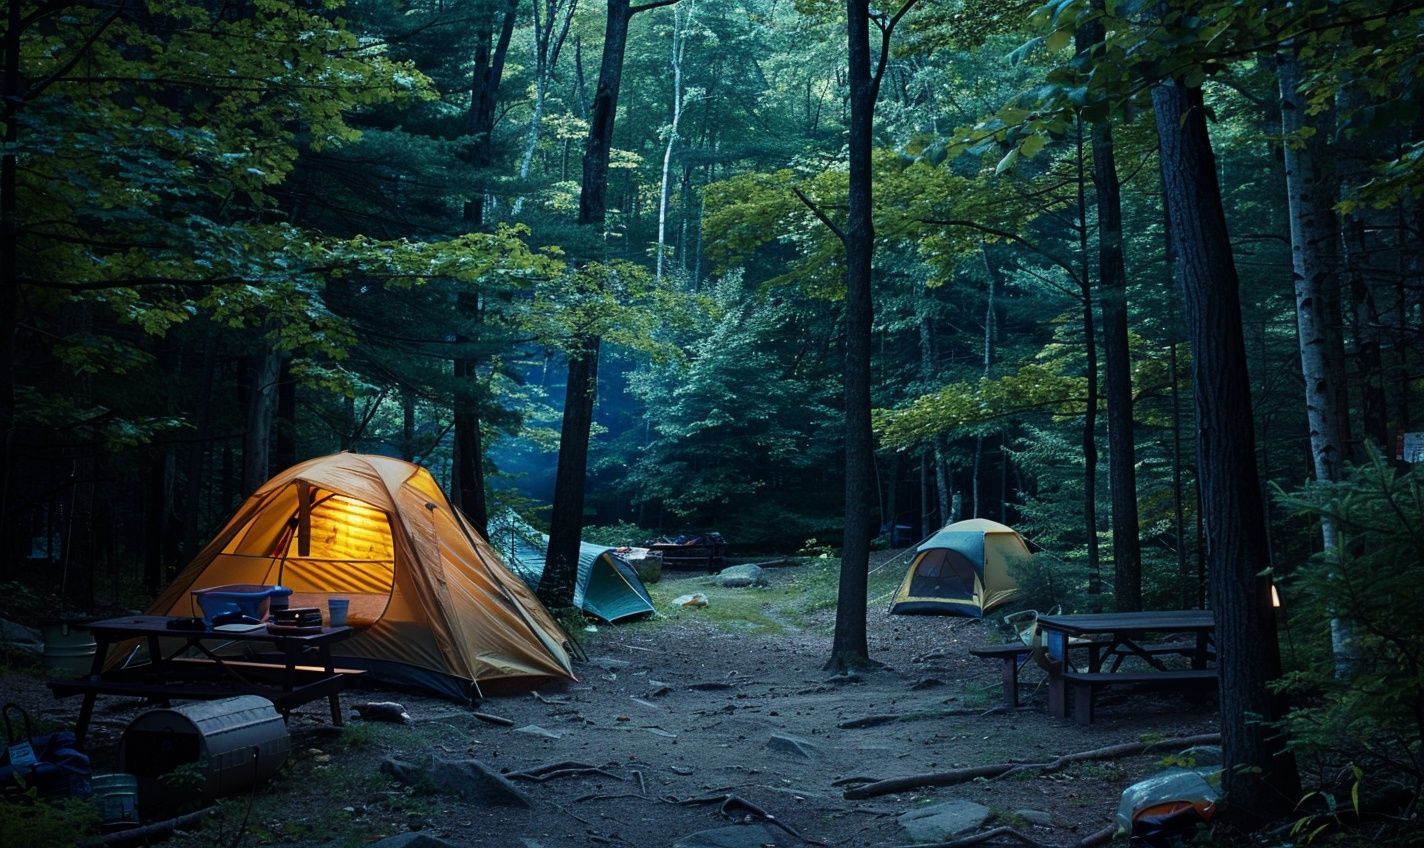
(436, 607)
(50, 763)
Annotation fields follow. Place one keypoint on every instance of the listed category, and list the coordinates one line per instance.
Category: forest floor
(685, 705)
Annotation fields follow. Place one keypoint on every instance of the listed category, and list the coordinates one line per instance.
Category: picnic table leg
(1057, 696)
(1011, 681)
(335, 697)
(86, 707)
(1199, 656)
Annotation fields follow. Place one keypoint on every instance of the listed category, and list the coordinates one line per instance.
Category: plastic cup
(337, 608)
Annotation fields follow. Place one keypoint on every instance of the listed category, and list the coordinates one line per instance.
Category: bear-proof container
(205, 749)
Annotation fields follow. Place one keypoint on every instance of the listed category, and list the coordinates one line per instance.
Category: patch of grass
(358, 736)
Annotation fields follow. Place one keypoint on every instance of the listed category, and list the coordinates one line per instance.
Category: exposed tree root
(728, 806)
(957, 776)
(490, 718)
(566, 768)
(1090, 841)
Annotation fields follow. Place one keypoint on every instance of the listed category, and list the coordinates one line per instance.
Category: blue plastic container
(248, 599)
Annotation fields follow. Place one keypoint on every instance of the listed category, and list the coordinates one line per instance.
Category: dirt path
(691, 703)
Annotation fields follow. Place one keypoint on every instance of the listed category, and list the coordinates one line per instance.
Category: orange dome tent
(437, 607)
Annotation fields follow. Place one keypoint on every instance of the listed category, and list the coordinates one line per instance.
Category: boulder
(412, 840)
(736, 836)
(696, 599)
(406, 772)
(793, 745)
(18, 637)
(940, 822)
(740, 575)
(474, 781)
(1037, 818)
(536, 730)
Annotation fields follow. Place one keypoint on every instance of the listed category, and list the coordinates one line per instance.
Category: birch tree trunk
(1313, 269)
(680, 23)
(557, 15)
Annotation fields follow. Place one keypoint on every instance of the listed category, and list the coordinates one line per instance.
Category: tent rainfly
(961, 570)
(437, 608)
(607, 587)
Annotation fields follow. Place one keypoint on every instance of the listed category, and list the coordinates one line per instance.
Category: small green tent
(961, 570)
(607, 587)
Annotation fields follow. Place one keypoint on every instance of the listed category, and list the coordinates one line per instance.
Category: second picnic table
(1120, 635)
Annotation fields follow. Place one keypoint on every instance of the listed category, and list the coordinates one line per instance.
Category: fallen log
(151, 832)
(997, 770)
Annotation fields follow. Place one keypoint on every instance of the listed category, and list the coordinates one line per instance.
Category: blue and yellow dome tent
(961, 570)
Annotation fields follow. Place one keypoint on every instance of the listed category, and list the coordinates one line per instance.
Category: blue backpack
(51, 763)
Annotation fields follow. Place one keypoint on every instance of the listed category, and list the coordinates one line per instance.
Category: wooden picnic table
(1120, 635)
(191, 669)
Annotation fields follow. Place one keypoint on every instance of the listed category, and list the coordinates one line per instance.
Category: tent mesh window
(332, 546)
(943, 573)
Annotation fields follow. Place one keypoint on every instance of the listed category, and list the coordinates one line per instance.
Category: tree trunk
(566, 515)
(849, 648)
(407, 425)
(679, 46)
(9, 269)
(1312, 262)
(557, 17)
(593, 198)
(1090, 415)
(1260, 777)
(261, 409)
(285, 455)
(1112, 286)
(484, 91)
(556, 587)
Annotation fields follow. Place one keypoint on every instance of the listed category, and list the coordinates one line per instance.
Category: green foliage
(1373, 580)
(617, 535)
(31, 820)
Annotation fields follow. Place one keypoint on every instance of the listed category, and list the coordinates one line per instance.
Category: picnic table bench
(1015, 655)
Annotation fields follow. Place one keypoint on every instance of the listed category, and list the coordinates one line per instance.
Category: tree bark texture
(1090, 415)
(1313, 267)
(593, 198)
(1260, 777)
(261, 410)
(680, 24)
(490, 53)
(1117, 358)
(849, 648)
(556, 587)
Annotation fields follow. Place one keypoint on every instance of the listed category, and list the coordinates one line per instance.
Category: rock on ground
(412, 840)
(472, 780)
(740, 575)
(793, 745)
(1038, 818)
(736, 836)
(939, 822)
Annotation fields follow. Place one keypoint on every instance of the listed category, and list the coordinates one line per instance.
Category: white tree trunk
(1312, 234)
(680, 23)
